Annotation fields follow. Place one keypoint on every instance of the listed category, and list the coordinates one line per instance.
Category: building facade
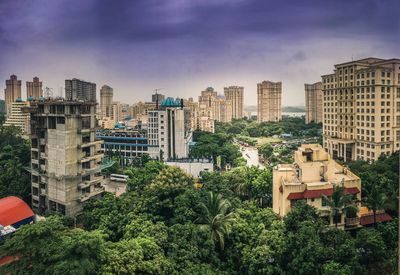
(128, 145)
(312, 175)
(235, 95)
(34, 89)
(361, 117)
(269, 101)
(12, 91)
(65, 156)
(76, 89)
(18, 118)
(169, 131)
(106, 101)
(314, 104)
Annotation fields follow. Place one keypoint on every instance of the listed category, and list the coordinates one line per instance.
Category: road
(250, 154)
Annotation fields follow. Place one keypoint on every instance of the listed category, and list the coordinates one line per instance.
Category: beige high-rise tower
(12, 91)
(362, 109)
(314, 104)
(34, 88)
(106, 101)
(269, 101)
(235, 95)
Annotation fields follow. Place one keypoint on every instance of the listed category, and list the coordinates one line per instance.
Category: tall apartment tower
(168, 131)
(12, 91)
(208, 99)
(269, 101)
(65, 157)
(314, 97)
(235, 95)
(34, 89)
(76, 89)
(106, 101)
(362, 109)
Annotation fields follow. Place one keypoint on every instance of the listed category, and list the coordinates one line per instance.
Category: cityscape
(271, 173)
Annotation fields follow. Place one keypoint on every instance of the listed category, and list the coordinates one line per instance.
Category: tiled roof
(13, 210)
(369, 219)
(310, 194)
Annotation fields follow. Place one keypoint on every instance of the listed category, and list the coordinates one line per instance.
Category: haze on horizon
(185, 46)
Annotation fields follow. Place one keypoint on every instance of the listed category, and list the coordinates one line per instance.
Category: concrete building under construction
(65, 155)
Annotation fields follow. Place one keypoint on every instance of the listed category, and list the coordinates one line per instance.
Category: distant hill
(289, 109)
(294, 109)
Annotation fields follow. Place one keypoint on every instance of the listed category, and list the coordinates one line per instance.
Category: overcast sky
(185, 46)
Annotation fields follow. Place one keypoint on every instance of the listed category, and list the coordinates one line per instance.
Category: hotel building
(361, 117)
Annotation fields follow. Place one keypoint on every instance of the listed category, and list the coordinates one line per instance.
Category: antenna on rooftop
(48, 92)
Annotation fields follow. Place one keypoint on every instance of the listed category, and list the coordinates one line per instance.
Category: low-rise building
(312, 175)
(194, 167)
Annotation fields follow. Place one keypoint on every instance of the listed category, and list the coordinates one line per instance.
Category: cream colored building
(141, 108)
(19, 118)
(235, 95)
(12, 92)
(107, 123)
(269, 101)
(362, 109)
(106, 101)
(34, 89)
(201, 118)
(314, 104)
(312, 175)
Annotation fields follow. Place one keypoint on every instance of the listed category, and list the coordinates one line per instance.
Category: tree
(216, 215)
(266, 150)
(339, 203)
(375, 198)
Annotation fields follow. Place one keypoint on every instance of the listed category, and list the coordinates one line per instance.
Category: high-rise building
(12, 91)
(34, 89)
(224, 109)
(19, 118)
(312, 175)
(141, 108)
(201, 118)
(269, 101)
(76, 89)
(66, 158)
(208, 99)
(362, 109)
(169, 133)
(106, 101)
(314, 97)
(235, 95)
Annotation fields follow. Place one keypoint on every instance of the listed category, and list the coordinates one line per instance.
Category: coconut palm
(216, 216)
(340, 203)
(375, 198)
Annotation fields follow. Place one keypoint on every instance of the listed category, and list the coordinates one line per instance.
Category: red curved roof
(13, 210)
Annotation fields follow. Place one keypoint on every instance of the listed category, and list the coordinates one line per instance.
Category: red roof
(295, 196)
(13, 210)
(309, 194)
(369, 219)
(8, 259)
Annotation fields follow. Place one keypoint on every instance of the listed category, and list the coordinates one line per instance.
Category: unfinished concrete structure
(66, 158)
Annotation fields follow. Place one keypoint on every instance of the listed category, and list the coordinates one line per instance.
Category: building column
(344, 154)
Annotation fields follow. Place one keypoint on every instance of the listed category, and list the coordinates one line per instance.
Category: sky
(183, 46)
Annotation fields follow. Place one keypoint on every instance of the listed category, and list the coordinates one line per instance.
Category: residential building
(169, 131)
(65, 155)
(106, 101)
(141, 108)
(34, 89)
(107, 123)
(312, 175)
(127, 144)
(193, 167)
(208, 99)
(201, 118)
(12, 91)
(361, 117)
(235, 95)
(224, 109)
(314, 104)
(269, 101)
(19, 118)
(76, 89)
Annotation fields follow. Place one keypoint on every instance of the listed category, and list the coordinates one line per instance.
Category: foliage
(14, 157)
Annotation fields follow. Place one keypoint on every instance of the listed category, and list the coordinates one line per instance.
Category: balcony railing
(87, 196)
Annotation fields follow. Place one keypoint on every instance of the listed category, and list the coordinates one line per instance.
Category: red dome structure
(15, 212)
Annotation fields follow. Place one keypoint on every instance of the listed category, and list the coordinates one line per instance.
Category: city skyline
(184, 46)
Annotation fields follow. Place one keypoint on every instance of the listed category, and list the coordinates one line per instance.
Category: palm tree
(217, 217)
(375, 198)
(339, 203)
